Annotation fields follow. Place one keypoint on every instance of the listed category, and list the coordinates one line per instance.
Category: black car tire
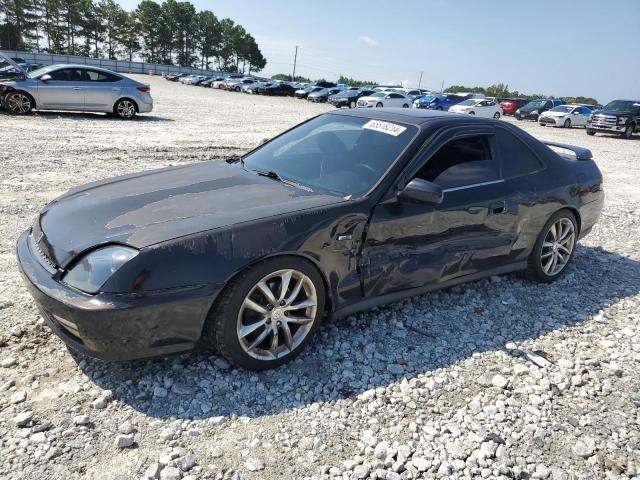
(439, 108)
(567, 123)
(352, 104)
(220, 329)
(628, 132)
(18, 103)
(496, 115)
(405, 106)
(379, 105)
(472, 112)
(591, 133)
(122, 109)
(535, 271)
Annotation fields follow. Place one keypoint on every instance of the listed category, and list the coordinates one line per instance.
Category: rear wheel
(125, 108)
(554, 248)
(439, 108)
(18, 103)
(496, 115)
(472, 112)
(268, 314)
(567, 123)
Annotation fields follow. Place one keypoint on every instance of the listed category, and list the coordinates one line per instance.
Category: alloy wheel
(567, 123)
(558, 246)
(277, 314)
(126, 109)
(19, 103)
(628, 133)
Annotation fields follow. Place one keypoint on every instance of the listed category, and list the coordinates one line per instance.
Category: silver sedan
(76, 87)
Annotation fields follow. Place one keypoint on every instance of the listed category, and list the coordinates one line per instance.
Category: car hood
(151, 207)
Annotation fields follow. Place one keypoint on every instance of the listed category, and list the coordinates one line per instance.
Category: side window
(517, 158)
(96, 76)
(461, 162)
(67, 75)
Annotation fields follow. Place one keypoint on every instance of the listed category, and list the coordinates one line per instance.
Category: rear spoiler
(581, 153)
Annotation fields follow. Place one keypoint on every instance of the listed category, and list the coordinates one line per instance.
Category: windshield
(535, 104)
(621, 106)
(378, 94)
(562, 108)
(468, 102)
(340, 155)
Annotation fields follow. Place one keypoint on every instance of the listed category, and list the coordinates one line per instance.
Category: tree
(209, 36)
(149, 16)
(354, 83)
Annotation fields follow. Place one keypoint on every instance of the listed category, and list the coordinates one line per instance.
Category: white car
(385, 99)
(478, 106)
(565, 116)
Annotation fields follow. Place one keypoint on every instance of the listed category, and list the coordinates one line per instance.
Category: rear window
(517, 158)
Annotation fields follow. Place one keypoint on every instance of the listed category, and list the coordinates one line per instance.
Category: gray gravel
(437, 386)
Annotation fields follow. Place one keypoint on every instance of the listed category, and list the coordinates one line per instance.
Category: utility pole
(420, 81)
(295, 59)
(442, 87)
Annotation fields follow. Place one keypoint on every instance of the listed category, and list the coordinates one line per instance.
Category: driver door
(410, 245)
(64, 91)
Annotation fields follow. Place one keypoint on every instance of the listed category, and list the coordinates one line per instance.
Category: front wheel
(591, 133)
(379, 105)
(567, 123)
(496, 115)
(405, 106)
(554, 248)
(352, 104)
(472, 112)
(125, 109)
(439, 108)
(268, 314)
(628, 132)
(18, 103)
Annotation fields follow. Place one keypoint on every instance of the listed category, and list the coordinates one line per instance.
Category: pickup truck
(621, 117)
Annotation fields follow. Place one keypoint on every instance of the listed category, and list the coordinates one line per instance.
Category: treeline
(501, 90)
(170, 32)
(342, 79)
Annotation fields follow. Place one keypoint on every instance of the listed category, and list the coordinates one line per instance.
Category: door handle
(77, 88)
(498, 208)
(476, 210)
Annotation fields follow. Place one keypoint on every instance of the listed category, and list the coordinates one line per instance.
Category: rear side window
(67, 75)
(517, 158)
(96, 76)
(461, 162)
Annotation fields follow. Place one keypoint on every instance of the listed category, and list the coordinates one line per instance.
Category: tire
(379, 105)
(18, 103)
(405, 106)
(496, 115)
(230, 314)
(540, 263)
(628, 132)
(352, 104)
(591, 133)
(439, 108)
(125, 109)
(472, 112)
(567, 123)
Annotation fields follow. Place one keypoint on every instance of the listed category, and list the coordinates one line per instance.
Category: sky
(551, 47)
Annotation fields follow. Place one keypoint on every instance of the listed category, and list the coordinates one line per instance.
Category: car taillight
(144, 88)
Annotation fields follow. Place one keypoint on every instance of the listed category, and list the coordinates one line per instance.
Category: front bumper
(553, 121)
(606, 128)
(526, 116)
(116, 327)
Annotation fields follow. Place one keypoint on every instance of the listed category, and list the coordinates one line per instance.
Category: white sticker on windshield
(384, 127)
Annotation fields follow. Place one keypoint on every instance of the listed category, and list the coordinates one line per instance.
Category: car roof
(80, 65)
(411, 116)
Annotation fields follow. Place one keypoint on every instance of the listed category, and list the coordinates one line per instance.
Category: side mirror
(421, 191)
(45, 78)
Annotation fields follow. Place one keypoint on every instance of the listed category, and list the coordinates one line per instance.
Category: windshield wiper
(272, 174)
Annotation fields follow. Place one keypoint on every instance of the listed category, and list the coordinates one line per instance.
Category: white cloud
(372, 42)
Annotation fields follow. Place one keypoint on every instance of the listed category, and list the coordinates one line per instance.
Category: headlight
(534, 112)
(95, 268)
(518, 111)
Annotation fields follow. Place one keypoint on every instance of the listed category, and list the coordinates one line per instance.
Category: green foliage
(288, 78)
(501, 90)
(354, 83)
(169, 32)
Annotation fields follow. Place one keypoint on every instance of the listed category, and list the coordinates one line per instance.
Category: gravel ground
(435, 386)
